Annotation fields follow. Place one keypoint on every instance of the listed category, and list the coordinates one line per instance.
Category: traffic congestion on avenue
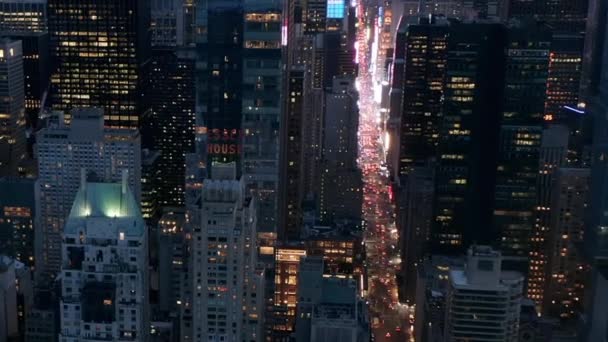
(390, 319)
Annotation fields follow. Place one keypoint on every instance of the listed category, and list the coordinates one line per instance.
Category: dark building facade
(17, 210)
(170, 93)
(290, 181)
(36, 70)
(466, 171)
(560, 15)
(219, 84)
(99, 49)
(527, 59)
(422, 88)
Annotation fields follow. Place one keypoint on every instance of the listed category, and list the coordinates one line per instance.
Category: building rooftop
(95, 201)
(338, 291)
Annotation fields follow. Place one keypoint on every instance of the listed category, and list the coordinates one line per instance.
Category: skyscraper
(564, 77)
(36, 71)
(219, 267)
(560, 15)
(17, 215)
(483, 302)
(314, 14)
(468, 137)
(219, 81)
(12, 107)
(552, 156)
(63, 153)
(567, 21)
(104, 267)
(523, 105)
(422, 77)
(99, 49)
(23, 16)
(595, 245)
(291, 194)
(170, 94)
(567, 269)
(340, 187)
(172, 22)
(26, 20)
(262, 93)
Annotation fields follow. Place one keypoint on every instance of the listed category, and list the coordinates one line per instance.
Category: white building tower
(104, 266)
(221, 253)
(483, 302)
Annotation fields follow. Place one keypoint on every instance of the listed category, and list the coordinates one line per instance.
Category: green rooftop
(105, 200)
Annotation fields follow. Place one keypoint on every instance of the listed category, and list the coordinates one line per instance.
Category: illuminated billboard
(223, 142)
(335, 9)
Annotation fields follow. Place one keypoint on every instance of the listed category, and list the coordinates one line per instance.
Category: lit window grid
(335, 8)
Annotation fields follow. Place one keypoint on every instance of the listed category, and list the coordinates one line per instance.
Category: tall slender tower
(99, 48)
(221, 275)
(262, 95)
(523, 105)
(219, 82)
(12, 107)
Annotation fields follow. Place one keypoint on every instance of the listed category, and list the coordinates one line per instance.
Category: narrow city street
(389, 318)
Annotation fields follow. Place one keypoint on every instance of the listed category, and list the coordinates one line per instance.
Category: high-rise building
(9, 327)
(23, 15)
(172, 22)
(340, 189)
(561, 15)
(483, 302)
(220, 270)
(315, 13)
(17, 215)
(99, 49)
(594, 322)
(219, 81)
(413, 221)
(552, 155)
(594, 48)
(564, 77)
(523, 105)
(172, 259)
(330, 309)
(262, 93)
(26, 20)
(36, 70)
(468, 137)
(424, 66)
(567, 22)
(104, 269)
(170, 95)
(12, 107)
(150, 176)
(310, 276)
(566, 268)
(63, 153)
(287, 265)
(290, 176)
